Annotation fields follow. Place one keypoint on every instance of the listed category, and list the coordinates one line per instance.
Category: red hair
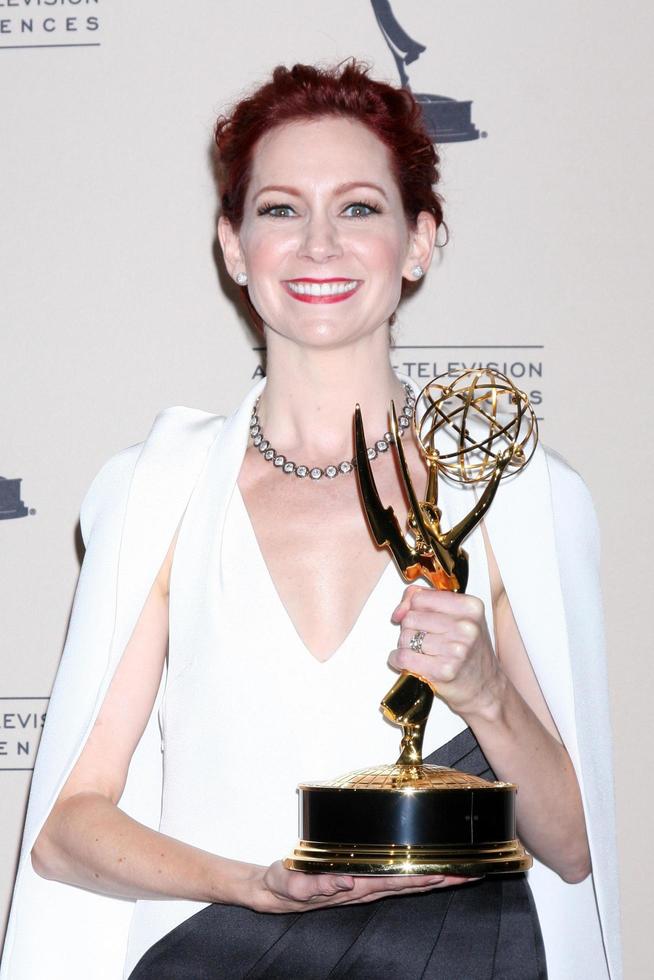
(305, 92)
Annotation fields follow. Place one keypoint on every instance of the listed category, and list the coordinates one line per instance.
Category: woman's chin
(327, 333)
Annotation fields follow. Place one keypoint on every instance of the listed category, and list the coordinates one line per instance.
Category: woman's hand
(278, 890)
(457, 656)
(500, 699)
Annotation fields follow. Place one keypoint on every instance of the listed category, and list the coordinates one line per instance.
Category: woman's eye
(270, 208)
(361, 207)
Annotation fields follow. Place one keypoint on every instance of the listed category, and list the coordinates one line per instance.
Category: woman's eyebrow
(350, 185)
(365, 183)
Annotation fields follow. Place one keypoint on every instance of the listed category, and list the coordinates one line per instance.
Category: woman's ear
(422, 240)
(231, 247)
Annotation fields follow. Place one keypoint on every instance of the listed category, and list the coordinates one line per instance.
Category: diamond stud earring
(241, 278)
(417, 271)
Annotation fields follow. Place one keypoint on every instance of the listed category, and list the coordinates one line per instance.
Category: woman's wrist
(234, 882)
(490, 705)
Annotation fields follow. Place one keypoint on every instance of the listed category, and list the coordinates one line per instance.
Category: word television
(43, 20)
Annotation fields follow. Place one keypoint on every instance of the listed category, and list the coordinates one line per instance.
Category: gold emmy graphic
(410, 817)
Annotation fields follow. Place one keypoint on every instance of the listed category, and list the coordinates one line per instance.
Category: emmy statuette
(409, 817)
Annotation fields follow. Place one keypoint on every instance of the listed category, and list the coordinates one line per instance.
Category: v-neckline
(287, 616)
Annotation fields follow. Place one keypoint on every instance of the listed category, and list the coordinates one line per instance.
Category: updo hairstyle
(306, 92)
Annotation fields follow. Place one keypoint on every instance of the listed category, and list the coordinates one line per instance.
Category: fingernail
(342, 883)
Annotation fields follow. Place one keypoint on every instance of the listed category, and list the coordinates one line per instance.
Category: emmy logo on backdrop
(446, 120)
(10, 503)
(410, 817)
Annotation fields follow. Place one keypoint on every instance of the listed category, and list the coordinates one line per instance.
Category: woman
(277, 611)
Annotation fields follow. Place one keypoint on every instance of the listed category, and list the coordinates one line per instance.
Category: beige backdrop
(113, 307)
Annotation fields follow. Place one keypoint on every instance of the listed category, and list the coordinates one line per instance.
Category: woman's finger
(311, 887)
(432, 644)
(333, 884)
(430, 622)
(455, 604)
(461, 629)
(381, 885)
(400, 882)
(433, 668)
(405, 885)
(405, 603)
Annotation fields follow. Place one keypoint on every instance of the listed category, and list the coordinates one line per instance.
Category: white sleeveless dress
(250, 712)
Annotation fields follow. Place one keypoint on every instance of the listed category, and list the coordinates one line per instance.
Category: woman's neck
(307, 406)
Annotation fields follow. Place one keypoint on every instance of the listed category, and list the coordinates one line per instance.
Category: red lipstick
(307, 298)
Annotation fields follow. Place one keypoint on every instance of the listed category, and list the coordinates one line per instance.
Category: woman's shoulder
(565, 479)
(176, 434)
(574, 513)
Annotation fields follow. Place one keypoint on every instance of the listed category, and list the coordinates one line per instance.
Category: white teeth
(322, 289)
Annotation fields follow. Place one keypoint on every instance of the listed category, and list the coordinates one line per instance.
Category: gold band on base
(357, 859)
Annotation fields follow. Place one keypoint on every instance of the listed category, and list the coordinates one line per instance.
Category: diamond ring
(416, 640)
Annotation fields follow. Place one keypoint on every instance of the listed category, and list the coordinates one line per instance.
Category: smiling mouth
(321, 291)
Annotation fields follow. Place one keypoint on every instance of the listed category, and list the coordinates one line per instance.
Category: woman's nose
(320, 239)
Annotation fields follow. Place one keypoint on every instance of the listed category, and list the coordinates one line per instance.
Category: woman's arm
(88, 841)
(500, 699)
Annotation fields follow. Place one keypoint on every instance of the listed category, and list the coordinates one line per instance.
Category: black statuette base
(466, 831)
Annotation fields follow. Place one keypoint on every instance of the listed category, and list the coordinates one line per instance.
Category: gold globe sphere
(467, 423)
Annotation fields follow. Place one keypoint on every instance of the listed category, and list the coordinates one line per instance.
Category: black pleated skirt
(483, 930)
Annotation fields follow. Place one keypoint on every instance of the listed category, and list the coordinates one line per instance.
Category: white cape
(545, 538)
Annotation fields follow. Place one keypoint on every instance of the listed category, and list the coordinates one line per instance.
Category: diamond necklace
(316, 472)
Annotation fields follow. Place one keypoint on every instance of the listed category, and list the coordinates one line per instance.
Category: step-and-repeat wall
(113, 305)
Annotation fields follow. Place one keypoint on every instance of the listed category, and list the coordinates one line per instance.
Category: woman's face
(323, 214)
